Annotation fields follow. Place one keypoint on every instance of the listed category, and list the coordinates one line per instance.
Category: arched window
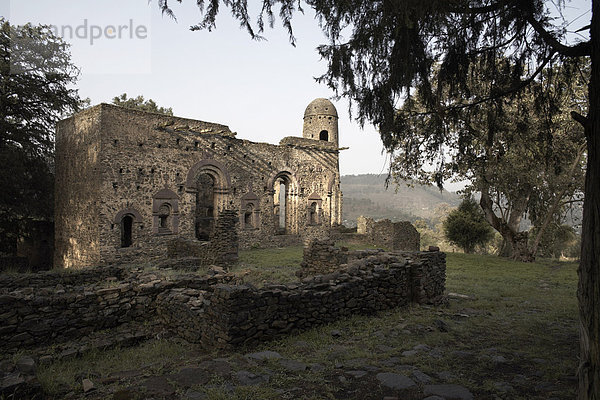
(250, 211)
(127, 231)
(205, 206)
(324, 135)
(164, 212)
(284, 189)
(128, 220)
(249, 216)
(313, 211)
(313, 218)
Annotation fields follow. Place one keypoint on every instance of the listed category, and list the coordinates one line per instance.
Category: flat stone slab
(247, 378)
(448, 392)
(264, 355)
(218, 367)
(422, 377)
(158, 386)
(292, 365)
(191, 376)
(356, 374)
(395, 381)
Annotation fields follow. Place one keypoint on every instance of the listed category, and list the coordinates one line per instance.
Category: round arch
(137, 217)
(215, 169)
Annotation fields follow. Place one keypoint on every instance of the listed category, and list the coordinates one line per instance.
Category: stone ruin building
(129, 182)
(391, 235)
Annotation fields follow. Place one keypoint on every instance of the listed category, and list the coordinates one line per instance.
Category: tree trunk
(588, 291)
(514, 243)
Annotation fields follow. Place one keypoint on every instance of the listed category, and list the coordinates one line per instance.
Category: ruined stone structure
(385, 233)
(52, 307)
(129, 182)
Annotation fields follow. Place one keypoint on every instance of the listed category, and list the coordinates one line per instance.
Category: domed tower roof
(320, 106)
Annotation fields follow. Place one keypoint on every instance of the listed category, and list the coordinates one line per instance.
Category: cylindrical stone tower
(321, 121)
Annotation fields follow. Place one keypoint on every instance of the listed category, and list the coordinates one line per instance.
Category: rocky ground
(509, 331)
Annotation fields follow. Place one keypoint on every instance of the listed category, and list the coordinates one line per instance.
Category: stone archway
(284, 187)
(209, 181)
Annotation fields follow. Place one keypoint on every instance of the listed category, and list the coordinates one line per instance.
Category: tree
(139, 103)
(557, 241)
(379, 49)
(35, 78)
(520, 158)
(466, 226)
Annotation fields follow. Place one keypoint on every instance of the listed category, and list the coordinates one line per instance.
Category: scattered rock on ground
(448, 392)
(292, 365)
(421, 377)
(264, 355)
(395, 381)
(248, 378)
(87, 385)
(356, 374)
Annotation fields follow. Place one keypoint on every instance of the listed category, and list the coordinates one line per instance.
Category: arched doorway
(127, 231)
(205, 206)
(285, 198)
(209, 182)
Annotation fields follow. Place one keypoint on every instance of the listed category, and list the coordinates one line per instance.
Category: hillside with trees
(367, 195)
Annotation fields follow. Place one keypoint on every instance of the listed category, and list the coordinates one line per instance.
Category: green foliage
(138, 103)
(36, 76)
(559, 241)
(466, 226)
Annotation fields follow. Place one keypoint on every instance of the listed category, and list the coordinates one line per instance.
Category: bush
(466, 227)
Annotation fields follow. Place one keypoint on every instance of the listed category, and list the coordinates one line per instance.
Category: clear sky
(259, 89)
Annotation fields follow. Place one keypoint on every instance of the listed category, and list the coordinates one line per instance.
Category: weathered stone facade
(128, 182)
(385, 233)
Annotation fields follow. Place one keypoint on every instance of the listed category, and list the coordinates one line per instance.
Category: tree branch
(579, 118)
(579, 50)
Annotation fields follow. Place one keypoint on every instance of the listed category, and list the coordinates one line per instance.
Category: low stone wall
(322, 257)
(387, 234)
(222, 249)
(211, 309)
(64, 277)
(33, 316)
(241, 315)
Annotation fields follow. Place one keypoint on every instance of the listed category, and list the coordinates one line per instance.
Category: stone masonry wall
(77, 190)
(222, 249)
(67, 308)
(322, 257)
(385, 233)
(211, 309)
(242, 315)
(113, 161)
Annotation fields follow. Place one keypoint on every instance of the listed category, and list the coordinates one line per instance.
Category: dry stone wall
(67, 308)
(322, 257)
(222, 249)
(242, 315)
(385, 233)
(213, 309)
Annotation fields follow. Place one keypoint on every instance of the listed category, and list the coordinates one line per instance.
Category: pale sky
(258, 89)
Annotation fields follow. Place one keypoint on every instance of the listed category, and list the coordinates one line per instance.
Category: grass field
(509, 331)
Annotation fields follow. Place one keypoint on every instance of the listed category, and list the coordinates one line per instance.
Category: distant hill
(366, 195)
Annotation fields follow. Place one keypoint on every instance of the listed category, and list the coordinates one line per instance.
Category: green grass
(263, 266)
(524, 312)
(153, 356)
